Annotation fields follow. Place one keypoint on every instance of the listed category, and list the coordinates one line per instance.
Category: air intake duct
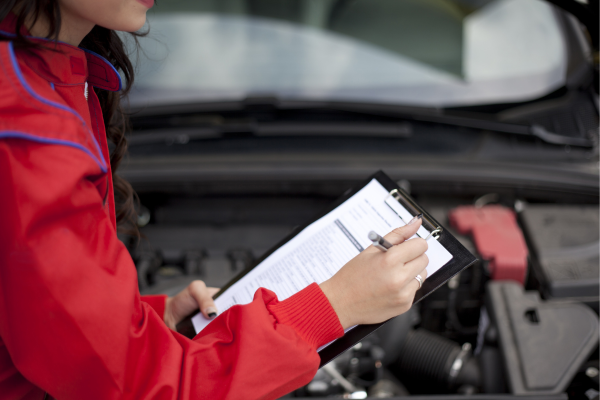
(428, 359)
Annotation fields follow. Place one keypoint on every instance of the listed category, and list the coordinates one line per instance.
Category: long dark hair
(109, 45)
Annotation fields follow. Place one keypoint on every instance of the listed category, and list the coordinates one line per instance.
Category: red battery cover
(497, 237)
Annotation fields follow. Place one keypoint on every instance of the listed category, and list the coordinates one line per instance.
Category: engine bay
(479, 334)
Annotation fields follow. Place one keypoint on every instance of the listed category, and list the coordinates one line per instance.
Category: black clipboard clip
(434, 228)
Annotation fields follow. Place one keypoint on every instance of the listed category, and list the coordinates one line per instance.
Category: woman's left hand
(195, 296)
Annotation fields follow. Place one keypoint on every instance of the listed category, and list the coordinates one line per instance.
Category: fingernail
(211, 312)
(415, 219)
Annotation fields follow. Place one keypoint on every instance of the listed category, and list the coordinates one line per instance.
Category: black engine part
(543, 343)
(564, 240)
(429, 359)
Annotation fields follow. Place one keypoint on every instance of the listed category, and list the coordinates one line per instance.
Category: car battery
(498, 239)
(565, 247)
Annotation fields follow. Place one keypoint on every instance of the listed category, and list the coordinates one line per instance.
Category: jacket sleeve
(74, 323)
(157, 302)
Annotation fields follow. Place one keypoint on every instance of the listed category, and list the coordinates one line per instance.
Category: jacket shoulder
(30, 110)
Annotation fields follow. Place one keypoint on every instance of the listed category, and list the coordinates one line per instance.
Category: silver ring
(420, 280)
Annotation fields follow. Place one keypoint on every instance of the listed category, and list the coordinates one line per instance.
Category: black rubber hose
(492, 371)
(470, 374)
(427, 357)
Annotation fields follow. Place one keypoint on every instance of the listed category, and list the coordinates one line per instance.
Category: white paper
(324, 247)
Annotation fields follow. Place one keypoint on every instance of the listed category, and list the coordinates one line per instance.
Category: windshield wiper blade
(441, 116)
(534, 130)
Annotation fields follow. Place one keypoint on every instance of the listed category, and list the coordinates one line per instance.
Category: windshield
(434, 53)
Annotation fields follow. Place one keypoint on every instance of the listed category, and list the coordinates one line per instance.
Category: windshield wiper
(272, 105)
(441, 116)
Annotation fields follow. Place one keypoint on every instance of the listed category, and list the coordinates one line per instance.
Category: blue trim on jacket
(34, 138)
(99, 160)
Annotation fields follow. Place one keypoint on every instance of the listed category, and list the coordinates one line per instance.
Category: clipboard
(461, 259)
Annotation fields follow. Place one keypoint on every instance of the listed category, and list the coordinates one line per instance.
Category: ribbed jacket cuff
(310, 314)
(157, 302)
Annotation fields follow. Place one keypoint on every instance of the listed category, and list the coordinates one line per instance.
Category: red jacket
(72, 321)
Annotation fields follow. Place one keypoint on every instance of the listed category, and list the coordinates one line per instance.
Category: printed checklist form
(324, 247)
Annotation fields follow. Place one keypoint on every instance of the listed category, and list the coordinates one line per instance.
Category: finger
(405, 232)
(416, 266)
(203, 297)
(423, 274)
(213, 290)
(407, 251)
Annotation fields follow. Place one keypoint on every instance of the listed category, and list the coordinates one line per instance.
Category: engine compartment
(461, 340)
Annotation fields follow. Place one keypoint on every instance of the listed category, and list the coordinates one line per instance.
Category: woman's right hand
(375, 285)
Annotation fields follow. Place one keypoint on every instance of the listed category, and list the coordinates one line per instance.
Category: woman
(72, 322)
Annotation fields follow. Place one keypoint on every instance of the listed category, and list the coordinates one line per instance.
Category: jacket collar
(63, 64)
